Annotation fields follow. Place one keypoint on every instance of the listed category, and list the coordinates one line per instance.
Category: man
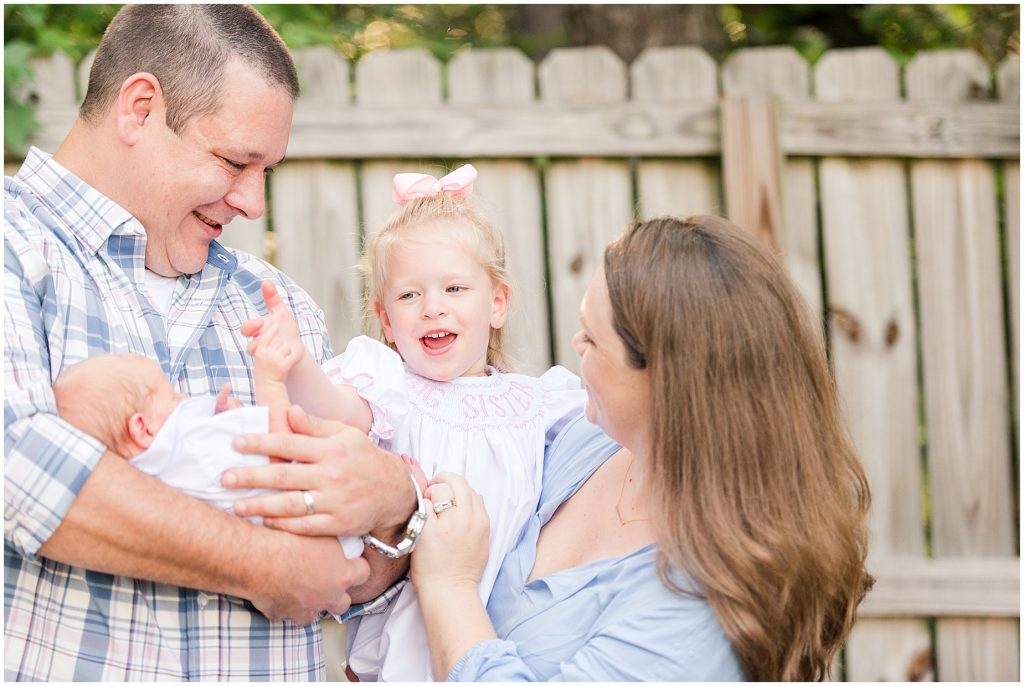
(109, 246)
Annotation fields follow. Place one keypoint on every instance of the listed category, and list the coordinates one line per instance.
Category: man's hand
(356, 486)
(322, 581)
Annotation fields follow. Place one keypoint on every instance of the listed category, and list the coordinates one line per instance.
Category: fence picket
(866, 240)
(782, 73)
(964, 362)
(676, 187)
(400, 78)
(589, 201)
(315, 220)
(509, 193)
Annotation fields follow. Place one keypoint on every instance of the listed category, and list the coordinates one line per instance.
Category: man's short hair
(186, 47)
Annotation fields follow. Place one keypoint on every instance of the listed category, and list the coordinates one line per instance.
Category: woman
(725, 540)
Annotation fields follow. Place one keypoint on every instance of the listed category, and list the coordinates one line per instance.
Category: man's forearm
(125, 522)
(384, 571)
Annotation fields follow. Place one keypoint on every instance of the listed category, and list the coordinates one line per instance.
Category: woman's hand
(355, 486)
(452, 549)
(446, 568)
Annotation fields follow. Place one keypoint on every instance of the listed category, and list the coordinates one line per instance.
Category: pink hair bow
(409, 186)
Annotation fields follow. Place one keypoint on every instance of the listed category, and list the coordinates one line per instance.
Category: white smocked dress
(490, 429)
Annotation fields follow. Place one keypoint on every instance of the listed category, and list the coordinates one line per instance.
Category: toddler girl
(437, 285)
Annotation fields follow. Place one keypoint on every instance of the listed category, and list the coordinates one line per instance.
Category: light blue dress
(607, 620)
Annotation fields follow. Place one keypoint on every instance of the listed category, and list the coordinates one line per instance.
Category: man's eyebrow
(253, 156)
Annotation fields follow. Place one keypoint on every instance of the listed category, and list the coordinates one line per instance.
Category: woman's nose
(577, 343)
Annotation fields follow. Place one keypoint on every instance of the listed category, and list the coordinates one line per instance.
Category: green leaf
(17, 68)
(19, 124)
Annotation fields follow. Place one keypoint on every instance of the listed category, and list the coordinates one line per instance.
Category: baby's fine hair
(99, 394)
(458, 221)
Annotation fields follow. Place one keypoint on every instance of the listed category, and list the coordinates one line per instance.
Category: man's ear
(140, 431)
(499, 305)
(385, 320)
(137, 101)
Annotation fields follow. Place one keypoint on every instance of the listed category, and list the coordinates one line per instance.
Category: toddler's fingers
(251, 327)
(271, 296)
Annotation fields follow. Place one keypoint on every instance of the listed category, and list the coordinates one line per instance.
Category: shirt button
(203, 599)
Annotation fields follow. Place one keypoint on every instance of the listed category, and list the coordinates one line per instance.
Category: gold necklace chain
(618, 503)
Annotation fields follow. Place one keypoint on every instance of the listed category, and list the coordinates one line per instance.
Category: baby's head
(438, 287)
(120, 399)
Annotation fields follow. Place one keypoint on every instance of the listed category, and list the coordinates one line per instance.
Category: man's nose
(247, 193)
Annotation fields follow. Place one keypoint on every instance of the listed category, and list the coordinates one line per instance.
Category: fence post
(773, 73)
(752, 165)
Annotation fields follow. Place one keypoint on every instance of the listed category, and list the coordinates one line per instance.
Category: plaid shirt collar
(86, 213)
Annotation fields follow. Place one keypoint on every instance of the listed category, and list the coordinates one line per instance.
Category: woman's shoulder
(578, 449)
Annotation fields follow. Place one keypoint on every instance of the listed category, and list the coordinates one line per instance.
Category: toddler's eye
(455, 289)
(406, 296)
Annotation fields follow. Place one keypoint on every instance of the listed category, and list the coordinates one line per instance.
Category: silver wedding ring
(307, 498)
(445, 505)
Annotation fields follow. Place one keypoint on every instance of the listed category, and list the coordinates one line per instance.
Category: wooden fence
(893, 195)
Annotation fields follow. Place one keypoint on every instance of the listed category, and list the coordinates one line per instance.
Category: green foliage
(354, 30)
(19, 115)
(991, 30)
(36, 31)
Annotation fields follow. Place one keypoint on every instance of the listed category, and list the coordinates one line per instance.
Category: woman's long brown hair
(757, 491)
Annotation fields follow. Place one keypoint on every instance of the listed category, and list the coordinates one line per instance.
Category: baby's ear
(140, 431)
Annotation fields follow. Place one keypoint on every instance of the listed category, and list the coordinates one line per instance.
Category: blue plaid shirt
(73, 288)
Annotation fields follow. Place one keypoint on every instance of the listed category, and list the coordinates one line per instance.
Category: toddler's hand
(273, 353)
(275, 342)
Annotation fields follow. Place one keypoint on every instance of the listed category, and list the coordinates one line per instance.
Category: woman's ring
(307, 498)
(444, 505)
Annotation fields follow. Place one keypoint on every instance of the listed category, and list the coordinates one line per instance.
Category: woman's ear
(499, 305)
(139, 98)
(385, 320)
(140, 431)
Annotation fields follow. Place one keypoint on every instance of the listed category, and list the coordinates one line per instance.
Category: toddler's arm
(286, 372)
(274, 356)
